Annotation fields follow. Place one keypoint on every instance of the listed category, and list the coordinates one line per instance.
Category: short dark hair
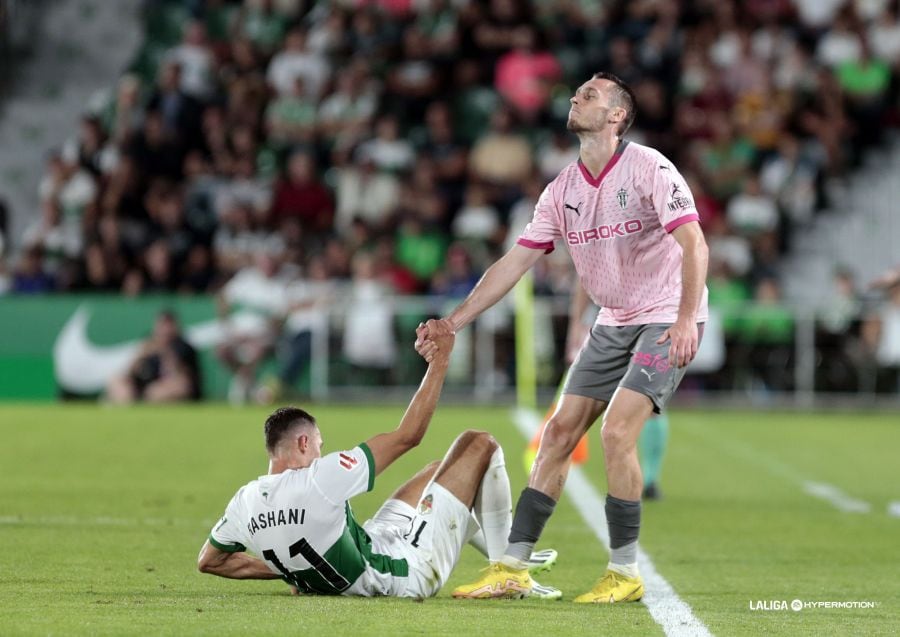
(621, 96)
(283, 420)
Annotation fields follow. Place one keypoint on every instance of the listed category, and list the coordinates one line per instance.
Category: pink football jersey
(617, 229)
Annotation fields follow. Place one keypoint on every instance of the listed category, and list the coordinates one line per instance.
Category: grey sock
(532, 512)
(624, 520)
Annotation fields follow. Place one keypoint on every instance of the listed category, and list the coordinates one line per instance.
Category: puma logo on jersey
(348, 462)
(575, 208)
(648, 374)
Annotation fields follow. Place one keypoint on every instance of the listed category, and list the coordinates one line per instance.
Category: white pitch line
(893, 509)
(821, 490)
(835, 497)
(668, 610)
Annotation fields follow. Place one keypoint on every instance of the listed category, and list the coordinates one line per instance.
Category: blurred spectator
(68, 194)
(30, 275)
(884, 36)
(441, 145)
(291, 118)
(790, 175)
(125, 112)
(555, 154)
(307, 300)
(295, 61)
(180, 113)
(164, 370)
(105, 260)
(840, 44)
(154, 273)
(524, 76)
(302, 196)
(345, 113)
(263, 24)
(865, 81)
(194, 58)
(370, 345)
(477, 220)
(244, 80)
(239, 239)
(421, 247)
(881, 332)
(89, 150)
(259, 289)
(387, 151)
(837, 336)
(502, 156)
(458, 276)
(413, 82)
(496, 32)
(362, 191)
(156, 152)
(766, 333)
(752, 212)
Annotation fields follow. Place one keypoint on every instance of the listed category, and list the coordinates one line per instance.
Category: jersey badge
(348, 462)
(426, 504)
(622, 197)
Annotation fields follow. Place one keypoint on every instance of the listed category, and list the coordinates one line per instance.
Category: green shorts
(625, 356)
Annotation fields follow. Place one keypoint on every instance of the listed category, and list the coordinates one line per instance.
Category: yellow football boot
(613, 588)
(498, 580)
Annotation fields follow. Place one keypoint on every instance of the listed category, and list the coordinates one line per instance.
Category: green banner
(68, 345)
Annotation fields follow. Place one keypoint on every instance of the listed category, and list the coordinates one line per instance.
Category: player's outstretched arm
(387, 447)
(232, 565)
(493, 286)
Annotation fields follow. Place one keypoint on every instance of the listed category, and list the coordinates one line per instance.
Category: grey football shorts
(625, 356)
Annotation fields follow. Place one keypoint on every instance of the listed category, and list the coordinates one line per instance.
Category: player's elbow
(413, 440)
(208, 562)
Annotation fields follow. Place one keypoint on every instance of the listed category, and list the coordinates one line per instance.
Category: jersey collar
(596, 181)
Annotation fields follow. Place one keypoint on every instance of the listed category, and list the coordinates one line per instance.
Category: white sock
(628, 570)
(478, 543)
(493, 509)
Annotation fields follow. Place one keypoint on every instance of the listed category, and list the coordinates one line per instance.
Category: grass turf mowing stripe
(668, 610)
(821, 490)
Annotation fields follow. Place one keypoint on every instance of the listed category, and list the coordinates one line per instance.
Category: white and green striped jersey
(301, 524)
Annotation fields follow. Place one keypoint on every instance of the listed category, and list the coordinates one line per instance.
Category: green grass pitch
(102, 512)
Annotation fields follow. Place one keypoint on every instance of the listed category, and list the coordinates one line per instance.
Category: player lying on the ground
(299, 521)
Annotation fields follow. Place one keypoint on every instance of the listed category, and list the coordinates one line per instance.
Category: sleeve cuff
(546, 246)
(680, 221)
(371, 462)
(227, 548)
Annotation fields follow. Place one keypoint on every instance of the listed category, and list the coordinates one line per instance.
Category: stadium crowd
(401, 144)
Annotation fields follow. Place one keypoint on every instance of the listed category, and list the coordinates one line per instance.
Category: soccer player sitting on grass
(298, 520)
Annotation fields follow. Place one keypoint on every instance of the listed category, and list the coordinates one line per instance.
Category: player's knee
(615, 434)
(559, 437)
(478, 441)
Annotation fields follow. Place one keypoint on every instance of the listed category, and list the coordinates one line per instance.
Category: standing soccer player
(631, 227)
